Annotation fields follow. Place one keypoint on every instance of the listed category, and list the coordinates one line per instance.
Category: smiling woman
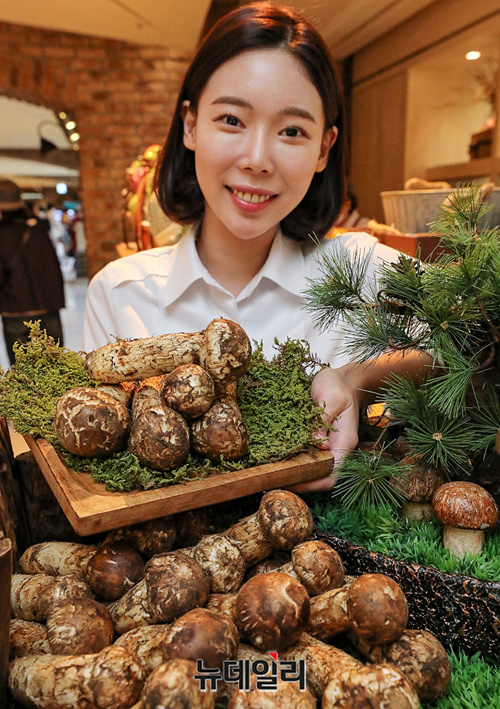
(254, 164)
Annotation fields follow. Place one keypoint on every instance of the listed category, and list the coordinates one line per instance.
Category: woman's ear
(189, 119)
(327, 142)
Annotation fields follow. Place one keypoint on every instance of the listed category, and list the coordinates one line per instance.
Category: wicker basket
(411, 211)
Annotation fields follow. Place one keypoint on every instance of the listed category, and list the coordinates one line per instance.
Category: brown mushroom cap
(176, 584)
(154, 536)
(62, 587)
(227, 352)
(284, 518)
(202, 634)
(422, 659)
(317, 566)
(115, 568)
(370, 686)
(90, 422)
(222, 562)
(287, 695)
(159, 438)
(189, 389)
(173, 685)
(272, 610)
(423, 481)
(220, 432)
(377, 608)
(465, 505)
(79, 626)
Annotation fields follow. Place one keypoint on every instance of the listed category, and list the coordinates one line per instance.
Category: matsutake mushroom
(110, 679)
(154, 536)
(173, 584)
(223, 349)
(419, 486)
(114, 569)
(33, 595)
(159, 438)
(466, 510)
(370, 686)
(222, 561)
(373, 606)
(282, 521)
(27, 637)
(77, 626)
(220, 432)
(90, 422)
(420, 657)
(189, 389)
(202, 634)
(316, 565)
(173, 685)
(272, 610)
(284, 695)
(57, 558)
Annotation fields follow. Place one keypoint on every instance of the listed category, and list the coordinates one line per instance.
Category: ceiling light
(62, 115)
(74, 137)
(70, 125)
(62, 188)
(472, 56)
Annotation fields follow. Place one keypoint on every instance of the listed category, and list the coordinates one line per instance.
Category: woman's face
(258, 137)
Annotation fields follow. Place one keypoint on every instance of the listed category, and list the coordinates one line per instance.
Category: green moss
(43, 371)
(381, 529)
(475, 684)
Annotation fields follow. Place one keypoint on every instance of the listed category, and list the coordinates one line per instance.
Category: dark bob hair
(260, 25)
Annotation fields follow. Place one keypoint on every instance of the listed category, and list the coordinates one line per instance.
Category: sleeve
(99, 326)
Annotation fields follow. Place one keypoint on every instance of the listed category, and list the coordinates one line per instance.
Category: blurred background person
(31, 282)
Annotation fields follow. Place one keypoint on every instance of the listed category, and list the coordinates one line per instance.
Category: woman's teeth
(253, 198)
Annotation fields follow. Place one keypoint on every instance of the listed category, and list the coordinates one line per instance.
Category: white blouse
(168, 289)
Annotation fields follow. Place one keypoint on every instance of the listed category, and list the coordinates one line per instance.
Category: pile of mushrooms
(184, 397)
(150, 615)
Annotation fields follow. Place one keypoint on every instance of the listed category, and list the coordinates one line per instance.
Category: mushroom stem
(460, 541)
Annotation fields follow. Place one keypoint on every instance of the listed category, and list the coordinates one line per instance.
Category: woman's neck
(233, 262)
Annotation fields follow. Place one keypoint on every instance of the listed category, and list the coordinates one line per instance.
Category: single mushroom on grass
(466, 510)
(419, 486)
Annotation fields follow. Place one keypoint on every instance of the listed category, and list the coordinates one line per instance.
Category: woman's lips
(251, 201)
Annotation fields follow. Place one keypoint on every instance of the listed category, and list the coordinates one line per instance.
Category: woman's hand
(337, 391)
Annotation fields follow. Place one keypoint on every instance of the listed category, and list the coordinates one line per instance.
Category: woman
(255, 162)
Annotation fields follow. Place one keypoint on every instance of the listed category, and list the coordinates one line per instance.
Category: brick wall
(122, 96)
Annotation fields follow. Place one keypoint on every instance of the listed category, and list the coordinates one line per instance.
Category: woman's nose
(257, 154)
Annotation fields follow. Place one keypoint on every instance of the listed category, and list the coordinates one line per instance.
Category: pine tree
(449, 308)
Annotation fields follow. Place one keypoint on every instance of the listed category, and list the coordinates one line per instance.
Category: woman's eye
(230, 120)
(294, 132)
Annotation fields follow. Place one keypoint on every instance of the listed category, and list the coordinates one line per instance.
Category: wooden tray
(90, 508)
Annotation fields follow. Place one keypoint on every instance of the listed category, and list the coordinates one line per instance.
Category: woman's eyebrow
(294, 111)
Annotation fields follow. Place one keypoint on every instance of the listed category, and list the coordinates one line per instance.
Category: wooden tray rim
(90, 508)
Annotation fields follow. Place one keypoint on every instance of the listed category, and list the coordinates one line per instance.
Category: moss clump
(43, 371)
(475, 683)
(275, 401)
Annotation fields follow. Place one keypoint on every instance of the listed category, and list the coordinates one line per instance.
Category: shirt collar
(285, 266)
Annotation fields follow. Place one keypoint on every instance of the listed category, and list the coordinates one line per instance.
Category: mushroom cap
(220, 432)
(422, 659)
(317, 566)
(115, 568)
(222, 562)
(284, 518)
(272, 610)
(203, 634)
(422, 482)
(159, 438)
(173, 685)
(62, 587)
(465, 505)
(227, 352)
(79, 626)
(154, 536)
(90, 422)
(287, 695)
(370, 686)
(189, 389)
(176, 584)
(377, 608)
